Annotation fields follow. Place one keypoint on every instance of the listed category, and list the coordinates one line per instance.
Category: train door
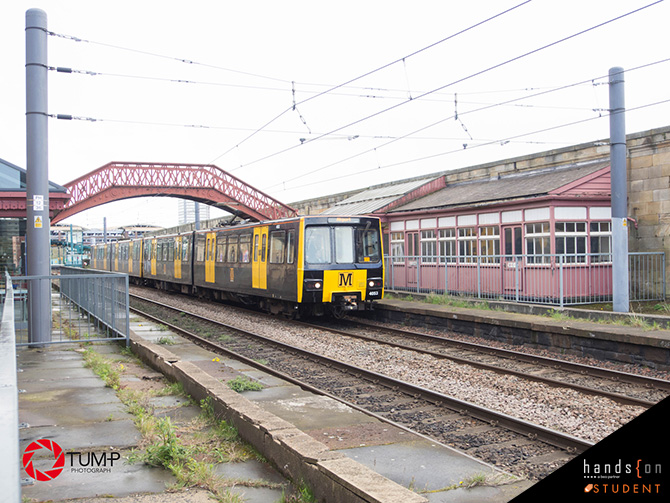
(512, 260)
(154, 253)
(413, 253)
(177, 257)
(260, 271)
(210, 247)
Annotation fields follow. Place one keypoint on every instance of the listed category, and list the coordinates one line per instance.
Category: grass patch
(166, 340)
(243, 383)
(106, 370)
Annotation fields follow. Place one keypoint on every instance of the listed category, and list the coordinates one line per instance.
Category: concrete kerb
(331, 475)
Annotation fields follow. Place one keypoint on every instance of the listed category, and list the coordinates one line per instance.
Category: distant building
(187, 211)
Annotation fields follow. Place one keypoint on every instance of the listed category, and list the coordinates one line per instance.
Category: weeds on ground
(188, 450)
(303, 495)
(243, 383)
(107, 371)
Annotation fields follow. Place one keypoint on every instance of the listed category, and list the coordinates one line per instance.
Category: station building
(13, 215)
(508, 228)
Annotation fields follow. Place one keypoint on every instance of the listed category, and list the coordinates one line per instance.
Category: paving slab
(68, 404)
(120, 434)
(405, 458)
(120, 480)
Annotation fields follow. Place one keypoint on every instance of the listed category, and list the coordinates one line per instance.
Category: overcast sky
(247, 63)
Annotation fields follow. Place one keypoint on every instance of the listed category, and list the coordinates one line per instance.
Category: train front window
(343, 243)
(317, 245)
(368, 248)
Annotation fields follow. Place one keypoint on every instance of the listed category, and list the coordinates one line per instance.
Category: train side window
(256, 248)
(232, 249)
(277, 241)
(200, 250)
(264, 247)
(290, 247)
(221, 251)
(186, 242)
(245, 243)
(170, 251)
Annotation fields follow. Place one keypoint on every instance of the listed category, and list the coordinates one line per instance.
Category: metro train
(296, 267)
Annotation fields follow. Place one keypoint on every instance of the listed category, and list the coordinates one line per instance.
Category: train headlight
(313, 284)
(375, 283)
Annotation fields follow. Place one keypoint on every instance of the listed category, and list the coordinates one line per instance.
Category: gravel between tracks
(569, 411)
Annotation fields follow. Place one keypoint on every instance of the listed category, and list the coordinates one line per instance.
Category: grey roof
(370, 200)
(515, 186)
(13, 178)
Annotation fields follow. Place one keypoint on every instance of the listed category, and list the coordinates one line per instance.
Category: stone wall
(649, 192)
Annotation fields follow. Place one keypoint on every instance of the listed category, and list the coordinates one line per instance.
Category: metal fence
(85, 306)
(543, 279)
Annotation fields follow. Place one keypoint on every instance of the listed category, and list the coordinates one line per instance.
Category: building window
(467, 244)
(601, 241)
(397, 246)
(538, 243)
(571, 241)
(428, 247)
(447, 242)
(489, 244)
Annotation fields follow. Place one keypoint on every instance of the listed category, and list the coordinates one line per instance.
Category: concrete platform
(68, 404)
(577, 333)
(436, 472)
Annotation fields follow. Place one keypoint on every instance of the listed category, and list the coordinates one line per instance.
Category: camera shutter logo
(54, 471)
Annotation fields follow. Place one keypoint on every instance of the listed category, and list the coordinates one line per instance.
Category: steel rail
(525, 358)
(535, 432)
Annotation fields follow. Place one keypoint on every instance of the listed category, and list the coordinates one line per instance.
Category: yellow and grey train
(302, 266)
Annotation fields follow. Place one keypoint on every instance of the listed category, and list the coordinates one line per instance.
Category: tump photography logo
(44, 460)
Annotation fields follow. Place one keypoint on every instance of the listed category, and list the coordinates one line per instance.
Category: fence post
(560, 279)
(446, 276)
(516, 276)
(479, 277)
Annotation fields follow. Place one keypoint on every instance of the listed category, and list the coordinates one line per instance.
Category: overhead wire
(346, 83)
(463, 79)
(487, 107)
(164, 56)
(487, 143)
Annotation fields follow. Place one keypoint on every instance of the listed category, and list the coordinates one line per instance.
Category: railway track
(622, 387)
(511, 444)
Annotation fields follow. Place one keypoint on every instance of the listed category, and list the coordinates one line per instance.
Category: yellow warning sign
(38, 222)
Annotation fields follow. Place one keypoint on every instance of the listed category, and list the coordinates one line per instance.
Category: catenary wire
(487, 143)
(481, 72)
(329, 90)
